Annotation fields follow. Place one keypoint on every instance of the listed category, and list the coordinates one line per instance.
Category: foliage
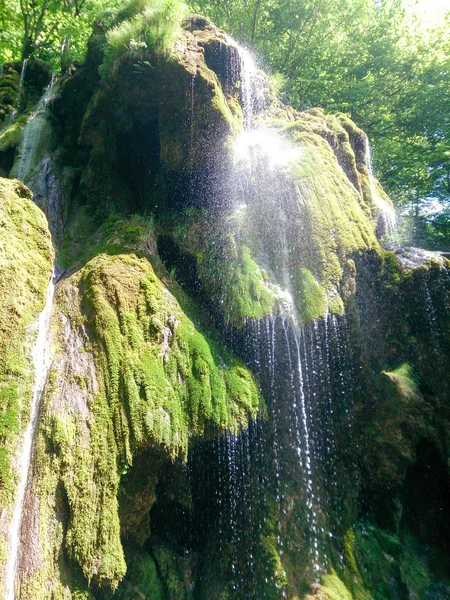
(57, 31)
(53, 30)
(404, 379)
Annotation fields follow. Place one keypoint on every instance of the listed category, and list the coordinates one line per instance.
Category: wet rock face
(26, 257)
(404, 345)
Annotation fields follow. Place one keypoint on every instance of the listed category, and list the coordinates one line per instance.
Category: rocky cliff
(248, 395)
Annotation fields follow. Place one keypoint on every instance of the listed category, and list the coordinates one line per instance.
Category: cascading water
(246, 71)
(387, 212)
(13, 115)
(306, 376)
(32, 135)
(302, 369)
(41, 363)
(304, 447)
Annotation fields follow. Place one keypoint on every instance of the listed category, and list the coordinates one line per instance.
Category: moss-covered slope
(132, 372)
(26, 257)
(304, 222)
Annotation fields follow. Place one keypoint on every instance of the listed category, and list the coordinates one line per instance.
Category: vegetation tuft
(148, 26)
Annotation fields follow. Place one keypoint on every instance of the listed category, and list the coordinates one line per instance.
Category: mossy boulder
(132, 374)
(175, 94)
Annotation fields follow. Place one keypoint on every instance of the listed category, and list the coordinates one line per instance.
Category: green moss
(10, 136)
(413, 569)
(391, 271)
(169, 572)
(309, 296)
(156, 361)
(142, 578)
(376, 565)
(376, 553)
(25, 268)
(334, 589)
(246, 292)
(9, 87)
(349, 545)
(226, 268)
(276, 566)
(320, 219)
(83, 241)
(160, 383)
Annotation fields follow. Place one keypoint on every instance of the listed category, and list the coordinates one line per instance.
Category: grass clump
(405, 380)
(146, 26)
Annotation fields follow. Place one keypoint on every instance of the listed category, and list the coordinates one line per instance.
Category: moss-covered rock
(269, 232)
(175, 94)
(26, 257)
(293, 244)
(132, 372)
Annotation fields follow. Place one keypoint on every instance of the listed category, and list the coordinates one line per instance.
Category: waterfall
(32, 134)
(248, 70)
(262, 187)
(252, 81)
(306, 375)
(36, 167)
(387, 213)
(304, 447)
(302, 368)
(41, 363)
(19, 91)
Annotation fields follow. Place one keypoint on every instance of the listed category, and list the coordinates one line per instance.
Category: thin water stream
(31, 147)
(388, 215)
(41, 363)
(13, 115)
(262, 161)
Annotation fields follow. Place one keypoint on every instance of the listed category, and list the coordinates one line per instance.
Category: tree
(53, 30)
